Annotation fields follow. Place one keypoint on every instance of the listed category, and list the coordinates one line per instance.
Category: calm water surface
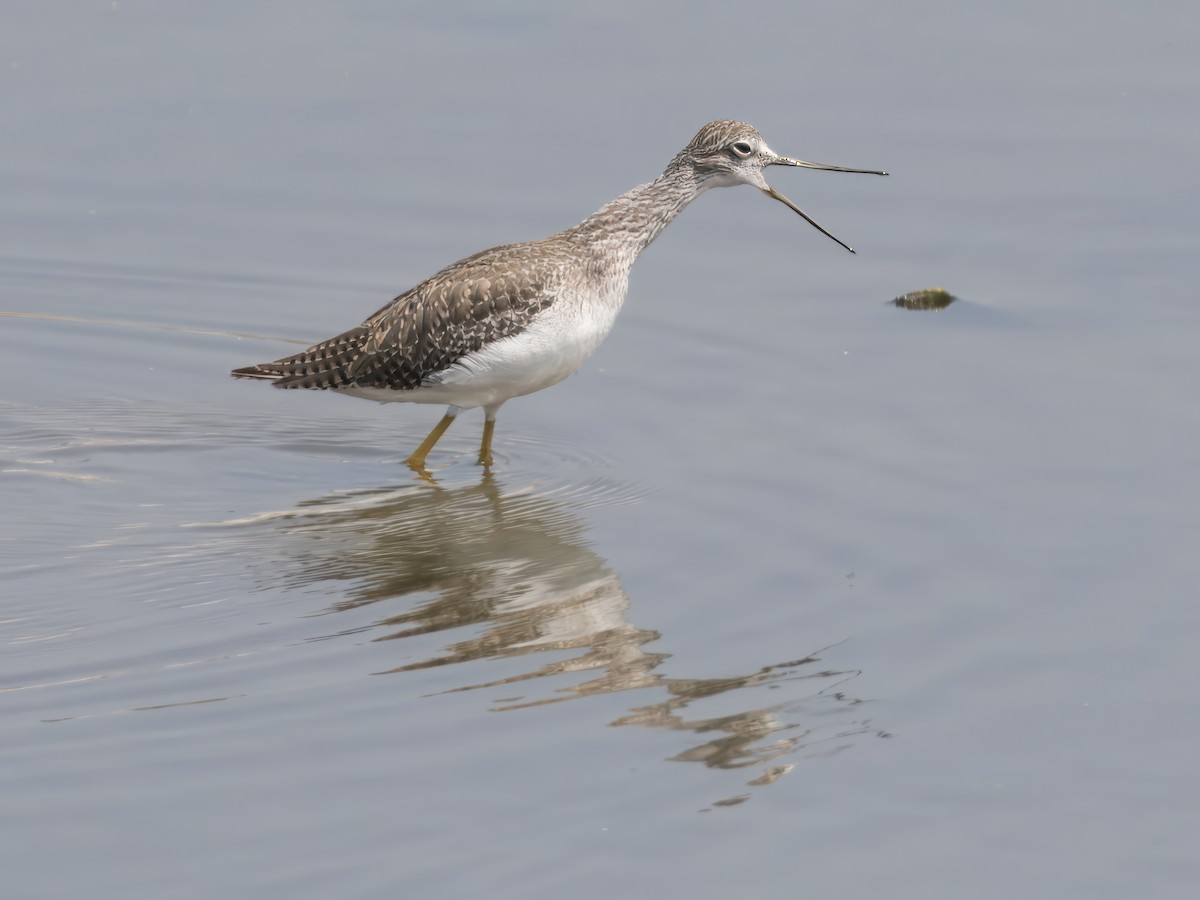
(790, 592)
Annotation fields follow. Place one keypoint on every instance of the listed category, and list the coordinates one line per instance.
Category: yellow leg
(417, 460)
(485, 449)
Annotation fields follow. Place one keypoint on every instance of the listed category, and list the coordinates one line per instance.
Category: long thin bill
(771, 192)
(805, 164)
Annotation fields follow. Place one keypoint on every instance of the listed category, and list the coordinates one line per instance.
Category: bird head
(727, 153)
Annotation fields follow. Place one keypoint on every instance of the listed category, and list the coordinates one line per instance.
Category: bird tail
(321, 366)
(262, 370)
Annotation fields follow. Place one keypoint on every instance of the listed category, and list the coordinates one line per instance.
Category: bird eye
(742, 148)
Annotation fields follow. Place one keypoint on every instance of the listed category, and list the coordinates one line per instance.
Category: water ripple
(171, 565)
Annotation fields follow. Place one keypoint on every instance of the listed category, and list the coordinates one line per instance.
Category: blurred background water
(895, 601)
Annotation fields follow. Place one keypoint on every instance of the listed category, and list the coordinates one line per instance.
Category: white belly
(554, 346)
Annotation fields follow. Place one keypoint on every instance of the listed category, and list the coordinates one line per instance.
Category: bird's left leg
(489, 427)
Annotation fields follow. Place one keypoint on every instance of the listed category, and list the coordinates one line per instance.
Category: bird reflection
(512, 573)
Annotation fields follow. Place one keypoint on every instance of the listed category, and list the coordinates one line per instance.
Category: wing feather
(483, 298)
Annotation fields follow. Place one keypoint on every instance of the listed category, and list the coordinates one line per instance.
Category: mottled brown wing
(486, 297)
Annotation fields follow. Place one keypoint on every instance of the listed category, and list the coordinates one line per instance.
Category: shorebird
(520, 317)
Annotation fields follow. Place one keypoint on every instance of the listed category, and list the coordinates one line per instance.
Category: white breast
(553, 346)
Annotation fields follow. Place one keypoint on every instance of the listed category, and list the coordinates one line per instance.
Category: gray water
(790, 592)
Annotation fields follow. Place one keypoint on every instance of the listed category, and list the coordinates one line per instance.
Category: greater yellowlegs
(518, 318)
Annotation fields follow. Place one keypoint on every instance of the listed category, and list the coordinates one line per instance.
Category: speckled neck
(622, 228)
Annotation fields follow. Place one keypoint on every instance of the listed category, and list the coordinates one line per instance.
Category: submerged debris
(931, 298)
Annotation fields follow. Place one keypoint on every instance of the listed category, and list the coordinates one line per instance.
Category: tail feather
(258, 371)
(321, 366)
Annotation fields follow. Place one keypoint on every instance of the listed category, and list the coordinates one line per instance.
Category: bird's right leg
(416, 462)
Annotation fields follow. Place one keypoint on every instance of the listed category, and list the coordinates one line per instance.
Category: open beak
(803, 164)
